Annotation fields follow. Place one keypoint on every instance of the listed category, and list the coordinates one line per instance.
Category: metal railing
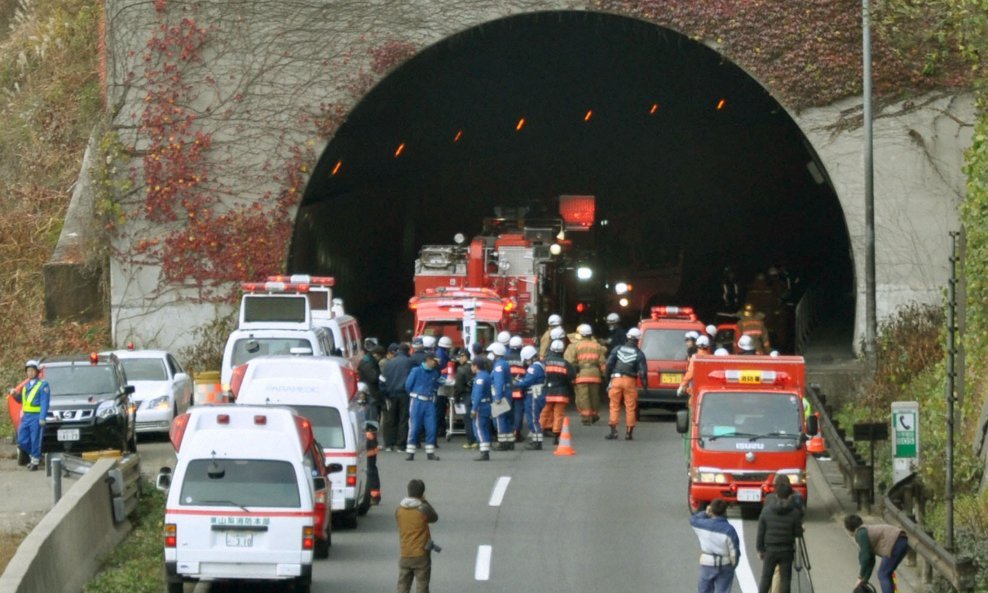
(124, 480)
(857, 474)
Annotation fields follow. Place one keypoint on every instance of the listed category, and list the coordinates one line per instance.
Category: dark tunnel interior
(693, 163)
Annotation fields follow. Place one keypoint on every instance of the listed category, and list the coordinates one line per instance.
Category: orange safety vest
(589, 358)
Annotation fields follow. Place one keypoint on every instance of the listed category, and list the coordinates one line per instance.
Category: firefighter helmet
(557, 346)
(555, 320)
(428, 341)
(504, 337)
(634, 333)
(721, 352)
(497, 349)
(746, 343)
(557, 333)
(445, 342)
(613, 318)
(711, 330)
(703, 342)
(515, 342)
(584, 330)
(692, 335)
(528, 353)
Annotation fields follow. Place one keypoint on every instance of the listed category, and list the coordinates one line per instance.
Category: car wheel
(349, 520)
(176, 587)
(303, 585)
(365, 504)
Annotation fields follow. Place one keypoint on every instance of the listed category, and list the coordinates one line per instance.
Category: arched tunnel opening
(696, 168)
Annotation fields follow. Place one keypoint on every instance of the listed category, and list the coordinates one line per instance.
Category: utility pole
(871, 321)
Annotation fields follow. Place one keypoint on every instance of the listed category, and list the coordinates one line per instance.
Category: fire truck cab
(465, 315)
(663, 342)
(745, 425)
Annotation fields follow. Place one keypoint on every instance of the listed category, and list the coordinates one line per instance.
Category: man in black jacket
(461, 394)
(395, 373)
(369, 371)
(780, 523)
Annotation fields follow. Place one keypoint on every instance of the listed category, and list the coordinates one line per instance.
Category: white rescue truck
(241, 502)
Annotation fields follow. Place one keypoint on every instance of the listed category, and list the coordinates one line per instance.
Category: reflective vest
(558, 377)
(589, 358)
(517, 370)
(29, 406)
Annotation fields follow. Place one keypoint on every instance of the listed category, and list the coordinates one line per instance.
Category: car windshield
(454, 330)
(327, 426)
(664, 344)
(749, 417)
(80, 379)
(144, 369)
(240, 483)
(245, 349)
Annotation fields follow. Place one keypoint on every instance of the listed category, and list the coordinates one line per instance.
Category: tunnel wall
(314, 53)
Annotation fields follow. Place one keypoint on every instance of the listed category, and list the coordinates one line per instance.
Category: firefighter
(532, 385)
(626, 366)
(504, 337)
(686, 385)
(546, 339)
(501, 390)
(616, 335)
(711, 332)
(443, 349)
(751, 324)
(729, 290)
(517, 368)
(480, 405)
(690, 339)
(422, 383)
(590, 359)
(746, 345)
(559, 377)
(373, 477)
(545, 419)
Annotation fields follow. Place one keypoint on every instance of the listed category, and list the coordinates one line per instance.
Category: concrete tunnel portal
(693, 163)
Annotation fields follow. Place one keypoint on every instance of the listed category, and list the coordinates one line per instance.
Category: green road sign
(905, 430)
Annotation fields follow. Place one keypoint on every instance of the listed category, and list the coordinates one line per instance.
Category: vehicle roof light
(222, 418)
(260, 419)
(93, 357)
(751, 376)
(669, 312)
(304, 279)
(256, 287)
(177, 430)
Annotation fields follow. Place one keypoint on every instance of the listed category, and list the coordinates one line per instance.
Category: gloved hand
(681, 391)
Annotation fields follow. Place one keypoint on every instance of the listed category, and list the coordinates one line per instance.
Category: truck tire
(349, 519)
(302, 585)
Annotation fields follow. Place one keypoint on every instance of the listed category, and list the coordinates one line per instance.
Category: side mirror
(129, 389)
(682, 421)
(812, 425)
(181, 377)
(164, 480)
(318, 483)
(333, 468)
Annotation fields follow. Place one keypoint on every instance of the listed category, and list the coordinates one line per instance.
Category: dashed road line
(482, 570)
(500, 487)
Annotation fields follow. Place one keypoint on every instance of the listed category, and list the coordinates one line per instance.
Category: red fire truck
(465, 315)
(745, 425)
(664, 345)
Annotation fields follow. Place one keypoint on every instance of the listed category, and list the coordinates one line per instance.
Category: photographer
(413, 516)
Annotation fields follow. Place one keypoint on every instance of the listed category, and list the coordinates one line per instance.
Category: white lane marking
(744, 574)
(482, 570)
(499, 489)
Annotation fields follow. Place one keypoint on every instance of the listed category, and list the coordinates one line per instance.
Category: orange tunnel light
(588, 115)
(720, 104)
(399, 150)
(459, 134)
(521, 124)
(336, 168)
(654, 109)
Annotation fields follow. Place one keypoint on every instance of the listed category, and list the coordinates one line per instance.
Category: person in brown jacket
(888, 541)
(590, 359)
(413, 515)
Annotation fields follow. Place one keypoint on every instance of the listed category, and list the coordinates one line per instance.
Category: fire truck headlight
(584, 273)
(795, 476)
(709, 476)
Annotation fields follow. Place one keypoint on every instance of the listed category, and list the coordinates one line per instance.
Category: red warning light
(580, 307)
(577, 212)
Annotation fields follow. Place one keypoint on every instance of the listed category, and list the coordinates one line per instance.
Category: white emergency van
(241, 501)
(324, 390)
(328, 312)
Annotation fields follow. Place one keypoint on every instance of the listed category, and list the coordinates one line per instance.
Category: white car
(162, 388)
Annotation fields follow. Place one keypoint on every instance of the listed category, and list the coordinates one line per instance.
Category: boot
(499, 446)
(613, 434)
(547, 432)
(484, 456)
(518, 437)
(627, 435)
(534, 445)
(410, 457)
(585, 420)
(432, 457)
(555, 438)
(594, 419)
(509, 446)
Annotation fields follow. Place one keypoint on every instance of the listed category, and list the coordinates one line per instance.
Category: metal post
(951, 350)
(56, 479)
(871, 322)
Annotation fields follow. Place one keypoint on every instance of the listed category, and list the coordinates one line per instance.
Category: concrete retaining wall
(66, 548)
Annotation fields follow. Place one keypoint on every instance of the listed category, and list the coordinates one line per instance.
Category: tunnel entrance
(694, 164)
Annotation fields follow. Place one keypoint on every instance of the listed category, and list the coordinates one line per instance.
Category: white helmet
(774, 353)
(528, 352)
(721, 352)
(515, 342)
(555, 320)
(557, 346)
(584, 330)
(504, 337)
(711, 330)
(557, 333)
(634, 333)
(703, 342)
(497, 349)
(428, 341)
(746, 342)
(445, 342)
(613, 318)
(31, 363)
(692, 335)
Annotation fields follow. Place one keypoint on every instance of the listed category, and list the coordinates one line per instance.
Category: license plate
(749, 495)
(671, 378)
(68, 434)
(235, 539)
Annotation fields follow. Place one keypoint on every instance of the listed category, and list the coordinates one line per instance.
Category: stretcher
(455, 414)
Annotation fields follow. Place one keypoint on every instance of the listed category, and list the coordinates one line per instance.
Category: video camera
(433, 547)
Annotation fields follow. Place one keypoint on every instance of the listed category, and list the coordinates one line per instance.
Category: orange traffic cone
(565, 439)
(816, 445)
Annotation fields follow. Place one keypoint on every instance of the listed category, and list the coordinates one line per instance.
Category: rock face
(244, 96)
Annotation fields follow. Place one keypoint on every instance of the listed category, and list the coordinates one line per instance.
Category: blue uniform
(532, 385)
(35, 397)
(480, 402)
(421, 385)
(517, 395)
(501, 382)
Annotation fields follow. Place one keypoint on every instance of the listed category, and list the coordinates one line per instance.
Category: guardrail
(124, 479)
(959, 571)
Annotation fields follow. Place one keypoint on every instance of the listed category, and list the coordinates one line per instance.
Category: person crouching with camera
(413, 515)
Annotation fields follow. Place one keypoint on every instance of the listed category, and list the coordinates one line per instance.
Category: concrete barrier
(66, 548)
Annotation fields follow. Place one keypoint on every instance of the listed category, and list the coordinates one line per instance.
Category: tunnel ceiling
(685, 152)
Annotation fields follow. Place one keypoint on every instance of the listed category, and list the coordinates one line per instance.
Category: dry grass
(8, 547)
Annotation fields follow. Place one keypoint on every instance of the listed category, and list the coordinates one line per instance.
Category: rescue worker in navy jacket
(421, 385)
(626, 366)
(480, 403)
(397, 403)
(34, 397)
(517, 368)
(532, 385)
(559, 377)
(501, 390)
(616, 335)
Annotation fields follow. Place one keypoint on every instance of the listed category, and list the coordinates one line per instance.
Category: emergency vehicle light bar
(751, 377)
(670, 312)
(273, 287)
(304, 279)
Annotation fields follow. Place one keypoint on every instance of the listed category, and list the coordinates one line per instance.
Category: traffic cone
(565, 439)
